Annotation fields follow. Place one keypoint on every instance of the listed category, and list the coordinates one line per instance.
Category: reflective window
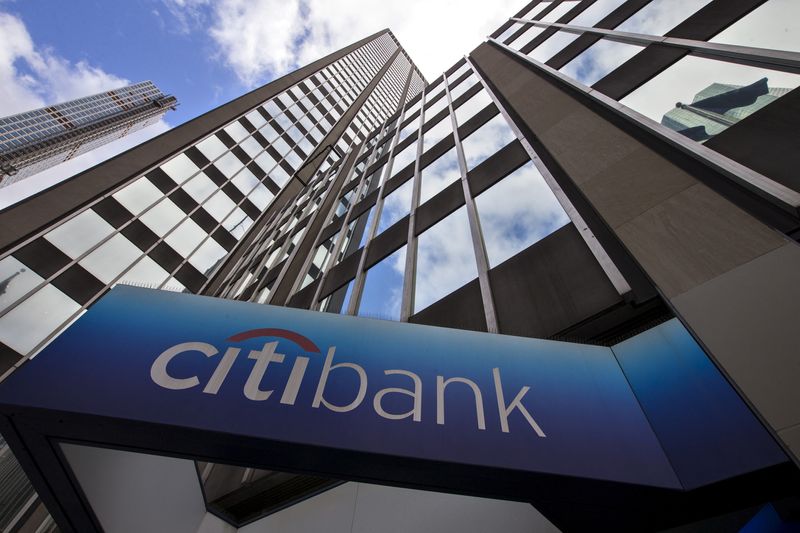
(321, 256)
(487, 140)
(599, 60)
(245, 181)
(237, 223)
(228, 164)
(339, 300)
(711, 95)
(552, 46)
(404, 158)
(219, 205)
(200, 187)
(468, 109)
(459, 71)
(111, 258)
(279, 175)
(535, 10)
(145, 272)
(251, 147)
(138, 195)
(525, 38)
(438, 175)
(437, 133)
(186, 237)
(256, 118)
(179, 168)
(774, 25)
(38, 316)
(596, 12)
(383, 288)
(260, 196)
(409, 128)
(162, 217)
(516, 212)
(265, 161)
(80, 233)
(660, 16)
(206, 258)
(445, 259)
(560, 10)
(16, 280)
(509, 32)
(396, 205)
(212, 147)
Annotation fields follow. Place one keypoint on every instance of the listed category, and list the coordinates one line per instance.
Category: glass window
(396, 205)
(596, 12)
(111, 258)
(410, 128)
(383, 288)
(438, 175)
(487, 140)
(186, 237)
(459, 71)
(162, 217)
(228, 164)
(509, 32)
(260, 196)
(206, 258)
(80, 233)
(660, 16)
(711, 95)
(321, 256)
(600, 59)
(256, 118)
(251, 147)
(535, 10)
(219, 205)
(774, 25)
(236, 131)
(16, 280)
(560, 10)
(463, 87)
(138, 195)
(145, 272)
(552, 46)
(445, 259)
(516, 212)
(404, 158)
(237, 223)
(339, 300)
(437, 133)
(212, 147)
(269, 133)
(525, 38)
(432, 110)
(38, 316)
(179, 168)
(468, 109)
(265, 161)
(245, 181)
(199, 187)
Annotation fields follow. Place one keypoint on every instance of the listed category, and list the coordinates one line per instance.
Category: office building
(35, 140)
(530, 190)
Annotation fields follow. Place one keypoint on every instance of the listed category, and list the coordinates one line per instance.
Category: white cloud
(260, 39)
(32, 77)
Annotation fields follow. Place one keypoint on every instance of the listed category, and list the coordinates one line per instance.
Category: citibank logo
(266, 356)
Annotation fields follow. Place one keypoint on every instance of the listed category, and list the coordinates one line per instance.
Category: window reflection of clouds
(597, 61)
(526, 37)
(535, 10)
(468, 109)
(445, 259)
(396, 205)
(552, 46)
(37, 316)
(596, 12)
(774, 25)
(516, 212)
(406, 156)
(433, 136)
(383, 288)
(487, 140)
(438, 175)
(560, 10)
(683, 80)
(660, 16)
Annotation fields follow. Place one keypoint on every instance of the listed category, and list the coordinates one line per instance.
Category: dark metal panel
(461, 309)
(78, 284)
(438, 207)
(341, 273)
(496, 167)
(387, 242)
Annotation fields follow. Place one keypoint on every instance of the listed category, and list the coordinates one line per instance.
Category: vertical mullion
(409, 279)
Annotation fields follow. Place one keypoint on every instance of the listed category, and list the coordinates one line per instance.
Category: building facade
(35, 140)
(529, 190)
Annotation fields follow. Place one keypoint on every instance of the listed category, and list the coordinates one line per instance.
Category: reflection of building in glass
(35, 140)
(496, 198)
(718, 107)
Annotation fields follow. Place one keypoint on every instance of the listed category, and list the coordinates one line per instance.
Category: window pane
(552, 46)
(236, 131)
(487, 140)
(110, 259)
(80, 233)
(468, 109)
(660, 16)
(219, 205)
(445, 259)
(711, 95)
(438, 175)
(396, 205)
(212, 147)
(179, 168)
(339, 300)
(16, 279)
(207, 256)
(535, 10)
(38, 317)
(560, 10)
(440, 131)
(596, 12)
(774, 25)
(200, 187)
(162, 217)
(186, 237)
(383, 288)
(404, 158)
(516, 212)
(138, 195)
(145, 272)
(600, 59)
(228, 164)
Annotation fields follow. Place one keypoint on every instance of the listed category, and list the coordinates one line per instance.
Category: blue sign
(398, 389)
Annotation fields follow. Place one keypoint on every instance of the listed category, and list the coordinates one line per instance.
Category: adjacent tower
(35, 140)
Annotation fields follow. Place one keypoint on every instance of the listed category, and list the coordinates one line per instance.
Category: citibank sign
(267, 356)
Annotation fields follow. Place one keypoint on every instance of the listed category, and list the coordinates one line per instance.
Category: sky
(205, 52)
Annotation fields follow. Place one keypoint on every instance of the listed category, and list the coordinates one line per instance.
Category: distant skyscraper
(35, 140)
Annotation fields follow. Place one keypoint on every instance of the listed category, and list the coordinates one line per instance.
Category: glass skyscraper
(529, 190)
(35, 140)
